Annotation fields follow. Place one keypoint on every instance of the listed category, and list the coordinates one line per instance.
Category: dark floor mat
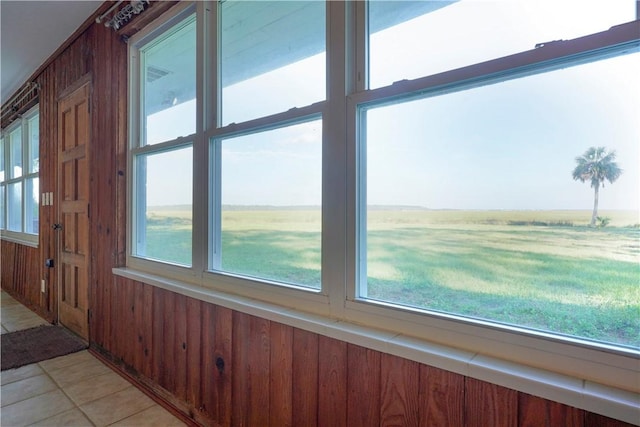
(36, 344)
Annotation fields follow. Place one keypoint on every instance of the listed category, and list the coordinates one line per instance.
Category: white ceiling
(30, 31)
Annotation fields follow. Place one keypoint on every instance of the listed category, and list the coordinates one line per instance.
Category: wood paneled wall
(223, 367)
(216, 365)
(20, 275)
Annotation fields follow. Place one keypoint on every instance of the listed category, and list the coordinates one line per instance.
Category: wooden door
(73, 210)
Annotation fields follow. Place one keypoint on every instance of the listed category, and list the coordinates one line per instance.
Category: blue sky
(506, 146)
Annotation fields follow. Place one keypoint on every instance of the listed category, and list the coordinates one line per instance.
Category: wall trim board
(150, 389)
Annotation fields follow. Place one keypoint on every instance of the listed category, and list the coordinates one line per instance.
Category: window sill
(572, 391)
(29, 240)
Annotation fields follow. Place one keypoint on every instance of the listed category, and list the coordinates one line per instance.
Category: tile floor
(72, 390)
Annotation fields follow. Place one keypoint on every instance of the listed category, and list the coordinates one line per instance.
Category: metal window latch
(57, 226)
(543, 44)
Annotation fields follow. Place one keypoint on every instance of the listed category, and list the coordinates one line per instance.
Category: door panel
(73, 243)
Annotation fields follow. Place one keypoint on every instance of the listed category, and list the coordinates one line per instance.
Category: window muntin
(408, 40)
(164, 205)
(168, 79)
(270, 198)
(471, 208)
(272, 62)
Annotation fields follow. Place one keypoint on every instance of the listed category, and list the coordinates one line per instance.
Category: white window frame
(22, 237)
(136, 217)
(598, 377)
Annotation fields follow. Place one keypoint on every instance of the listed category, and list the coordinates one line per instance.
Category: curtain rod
(101, 17)
(122, 16)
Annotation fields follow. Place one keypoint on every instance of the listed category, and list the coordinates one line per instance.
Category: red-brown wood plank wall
(224, 367)
(19, 265)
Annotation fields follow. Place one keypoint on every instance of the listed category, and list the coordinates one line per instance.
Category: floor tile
(67, 360)
(68, 390)
(35, 409)
(18, 317)
(73, 374)
(154, 416)
(72, 418)
(26, 388)
(95, 388)
(117, 406)
(7, 300)
(11, 375)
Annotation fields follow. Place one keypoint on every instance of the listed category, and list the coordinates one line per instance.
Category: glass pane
(453, 34)
(272, 57)
(270, 196)
(169, 85)
(15, 153)
(34, 144)
(475, 206)
(3, 212)
(14, 210)
(32, 206)
(164, 206)
(2, 167)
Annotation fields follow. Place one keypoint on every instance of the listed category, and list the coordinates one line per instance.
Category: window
(471, 208)
(266, 179)
(269, 187)
(162, 146)
(273, 62)
(263, 149)
(516, 26)
(19, 182)
(312, 155)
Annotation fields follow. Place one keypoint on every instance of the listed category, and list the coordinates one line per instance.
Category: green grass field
(542, 269)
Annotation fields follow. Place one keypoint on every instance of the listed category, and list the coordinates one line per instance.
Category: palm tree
(596, 166)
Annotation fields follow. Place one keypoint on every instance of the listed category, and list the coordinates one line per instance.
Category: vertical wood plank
(130, 346)
(363, 382)
(208, 360)
(489, 404)
(180, 320)
(305, 378)
(148, 327)
(218, 369)
(223, 350)
(332, 374)
(241, 382)
(158, 335)
(168, 377)
(251, 350)
(281, 386)
(194, 348)
(399, 391)
(535, 411)
(115, 318)
(441, 397)
(138, 326)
